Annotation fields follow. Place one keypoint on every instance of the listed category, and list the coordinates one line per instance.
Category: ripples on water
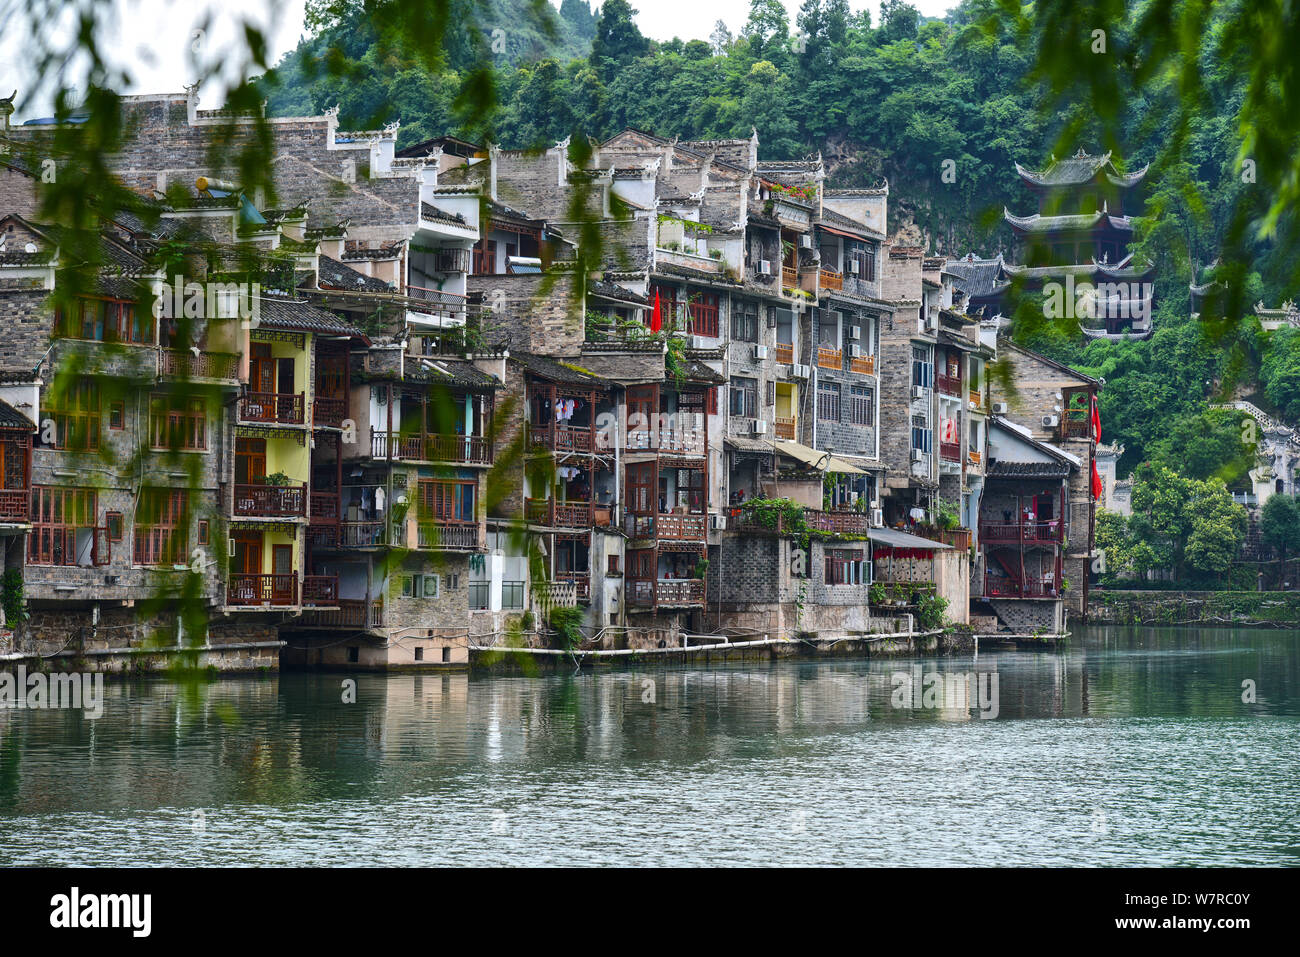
(1131, 747)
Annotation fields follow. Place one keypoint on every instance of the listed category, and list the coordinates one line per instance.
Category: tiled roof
(1079, 169)
(302, 317)
(457, 372)
(11, 418)
(557, 371)
(609, 290)
(1000, 469)
(435, 215)
(831, 218)
(336, 275)
(977, 277)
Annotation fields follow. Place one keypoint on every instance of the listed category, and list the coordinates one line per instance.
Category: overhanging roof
(896, 539)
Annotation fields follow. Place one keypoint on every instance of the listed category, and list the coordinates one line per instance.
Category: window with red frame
(76, 413)
(161, 527)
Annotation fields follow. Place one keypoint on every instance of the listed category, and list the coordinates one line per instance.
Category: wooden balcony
(450, 536)
(581, 582)
(997, 587)
(324, 507)
(785, 352)
(275, 408)
(329, 412)
(677, 592)
(458, 449)
(271, 501)
(976, 400)
(685, 441)
(830, 279)
(262, 590)
(175, 364)
(864, 365)
(667, 527)
(1022, 533)
(320, 589)
(829, 358)
(1076, 427)
(773, 520)
(786, 426)
(350, 613)
(561, 438)
(950, 451)
(15, 505)
(948, 385)
(974, 457)
(549, 512)
(789, 277)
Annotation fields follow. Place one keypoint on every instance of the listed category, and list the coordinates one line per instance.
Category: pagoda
(1079, 239)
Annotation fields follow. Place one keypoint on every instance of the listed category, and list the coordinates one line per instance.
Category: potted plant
(277, 478)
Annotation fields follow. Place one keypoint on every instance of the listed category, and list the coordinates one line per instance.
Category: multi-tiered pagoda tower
(1079, 235)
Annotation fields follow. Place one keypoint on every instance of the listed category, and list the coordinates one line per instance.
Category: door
(261, 370)
(246, 566)
(641, 489)
(282, 585)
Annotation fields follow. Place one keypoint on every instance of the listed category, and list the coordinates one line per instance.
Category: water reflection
(1148, 753)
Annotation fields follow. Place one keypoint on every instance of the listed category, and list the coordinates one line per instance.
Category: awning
(815, 458)
(860, 237)
(896, 539)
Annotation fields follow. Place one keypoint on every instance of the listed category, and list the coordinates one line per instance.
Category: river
(1129, 746)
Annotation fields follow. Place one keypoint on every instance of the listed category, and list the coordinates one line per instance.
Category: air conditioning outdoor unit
(718, 522)
(918, 455)
(853, 332)
(801, 371)
(760, 352)
(699, 342)
(760, 427)
(918, 392)
(765, 267)
(805, 241)
(1050, 421)
(999, 408)
(855, 351)
(877, 517)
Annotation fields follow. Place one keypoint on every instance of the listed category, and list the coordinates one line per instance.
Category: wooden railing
(773, 519)
(461, 449)
(320, 589)
(278, 407)
(689, 441)
(362, 534)
(352, 613)
(829, 358)
(262, 590)
(973, 456)
(581, 582)
(786, 426)
(206, 365)
(449, 535)
(329, 411)
(785, 352)
(15, 505)
(271, 501)
(650, 592)
(324, 507)
(789, 277)
(995, 587)
(1076, 428)
(702, 319)
(948, 385)
(830, 279)
(950, 451)
(866, 365)
(560, 438)
(976, 399)
(1050, 531)
(547, 511)
(675, 527)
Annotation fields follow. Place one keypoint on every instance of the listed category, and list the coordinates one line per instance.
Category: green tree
(1279, 524)
(618, 40)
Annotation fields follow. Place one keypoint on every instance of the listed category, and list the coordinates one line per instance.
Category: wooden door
(250, 461)
(282, 585)
(641, 489)
(261, 369)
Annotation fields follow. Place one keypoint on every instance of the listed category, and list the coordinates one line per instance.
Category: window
(446, 655)
(770, 392)
(921, 437)
(478, 595)
(512, 596)
(63, 528)
(105, 320)
(447, 501)
(744, 397)
(845, 566)
(178, 423)
(354, 654)
(922, 370)
(419, 654)
(113, 522)
(161, 527)
(420, 586)
(117, 416)
(828, 401)
(702, 315)
(862, 406)
(744, 321)
(613, 565)
(75, 411)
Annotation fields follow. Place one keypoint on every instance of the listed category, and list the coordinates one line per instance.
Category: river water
(1131, 746)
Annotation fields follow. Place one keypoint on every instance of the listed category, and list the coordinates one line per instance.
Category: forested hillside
(894, 100)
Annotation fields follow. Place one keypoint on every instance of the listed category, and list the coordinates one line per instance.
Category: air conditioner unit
(699, 342)
(765, 267)
(1050, 421)
(805, 241)
(877, 517)
(760, 352)
(918, 392)
(855, 351)
(918, 455)
(999, 408)
(801, 371)
(760, 427)
(852, 332)
(718, 522)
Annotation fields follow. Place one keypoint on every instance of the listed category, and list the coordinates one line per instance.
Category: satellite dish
(30, 247)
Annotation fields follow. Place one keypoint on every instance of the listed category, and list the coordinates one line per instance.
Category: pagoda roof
(1079, 169)
(977, 278)
(1038, 223)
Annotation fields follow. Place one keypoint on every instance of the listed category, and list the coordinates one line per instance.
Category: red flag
(656, 317)
(1096, 421)
(1096, 482)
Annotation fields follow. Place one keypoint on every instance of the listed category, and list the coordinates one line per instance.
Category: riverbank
(1229, 609)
